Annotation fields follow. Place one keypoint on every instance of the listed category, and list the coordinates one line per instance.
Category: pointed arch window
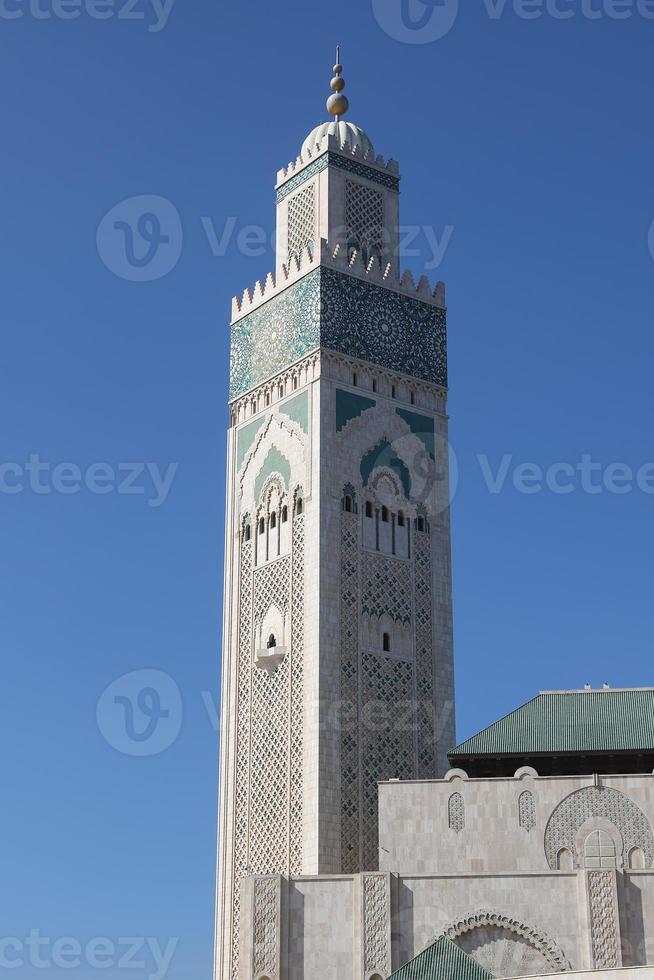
(386, 642)
(637, 859)
(273, 520)
(456, 812)
(527, 811)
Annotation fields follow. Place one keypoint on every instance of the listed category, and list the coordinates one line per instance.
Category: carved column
(603, 919)
(375, 925)
(261, 928)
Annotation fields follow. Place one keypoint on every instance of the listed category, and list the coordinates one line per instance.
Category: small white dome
(348, 135)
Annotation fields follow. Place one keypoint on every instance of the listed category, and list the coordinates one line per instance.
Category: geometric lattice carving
(604, 927)
(597, 801)
(269, 746)
(387, 705)
(456, 812)
(425, 720)
(349, 720)
(301, 220)
(376, 920)
(527, 811)
(364, 216)
(272, 587)
(297, 696)
(268, 777)
(386, 588)
(484, 919)
(387, 749)
(242, 777)
(265, 926)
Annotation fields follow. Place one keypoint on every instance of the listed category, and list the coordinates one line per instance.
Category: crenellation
(334, 256)
(331, 144)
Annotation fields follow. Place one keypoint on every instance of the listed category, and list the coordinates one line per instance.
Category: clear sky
(527, 150)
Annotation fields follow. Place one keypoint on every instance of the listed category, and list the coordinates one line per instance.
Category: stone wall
(530, 875)
(512, 825)
(364, 926)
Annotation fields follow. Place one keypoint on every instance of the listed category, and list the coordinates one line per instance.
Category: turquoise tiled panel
(342, 313)
(350, 406)
(343, 163)
(298, 409)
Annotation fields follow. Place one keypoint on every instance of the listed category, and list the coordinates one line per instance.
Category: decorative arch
(384, 455)
(349, 499)
(274, 463)
(272, 492)
(382, 427)
(272, 623)
(604, 803)
(540, 941)
(278, 447)
(608, 830)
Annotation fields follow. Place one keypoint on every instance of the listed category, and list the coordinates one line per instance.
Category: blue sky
(528, 144)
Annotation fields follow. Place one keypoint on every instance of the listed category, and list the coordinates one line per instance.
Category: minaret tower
(337, 651)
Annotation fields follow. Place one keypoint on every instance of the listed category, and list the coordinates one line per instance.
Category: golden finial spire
(337, 104)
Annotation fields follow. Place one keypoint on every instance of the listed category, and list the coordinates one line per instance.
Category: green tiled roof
(570, 721)
(442, 961)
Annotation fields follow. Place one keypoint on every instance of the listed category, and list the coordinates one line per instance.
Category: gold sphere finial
(337, 104)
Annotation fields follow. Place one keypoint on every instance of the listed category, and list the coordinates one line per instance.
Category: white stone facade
(285, 806)
(337, 571)
(490, 886)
